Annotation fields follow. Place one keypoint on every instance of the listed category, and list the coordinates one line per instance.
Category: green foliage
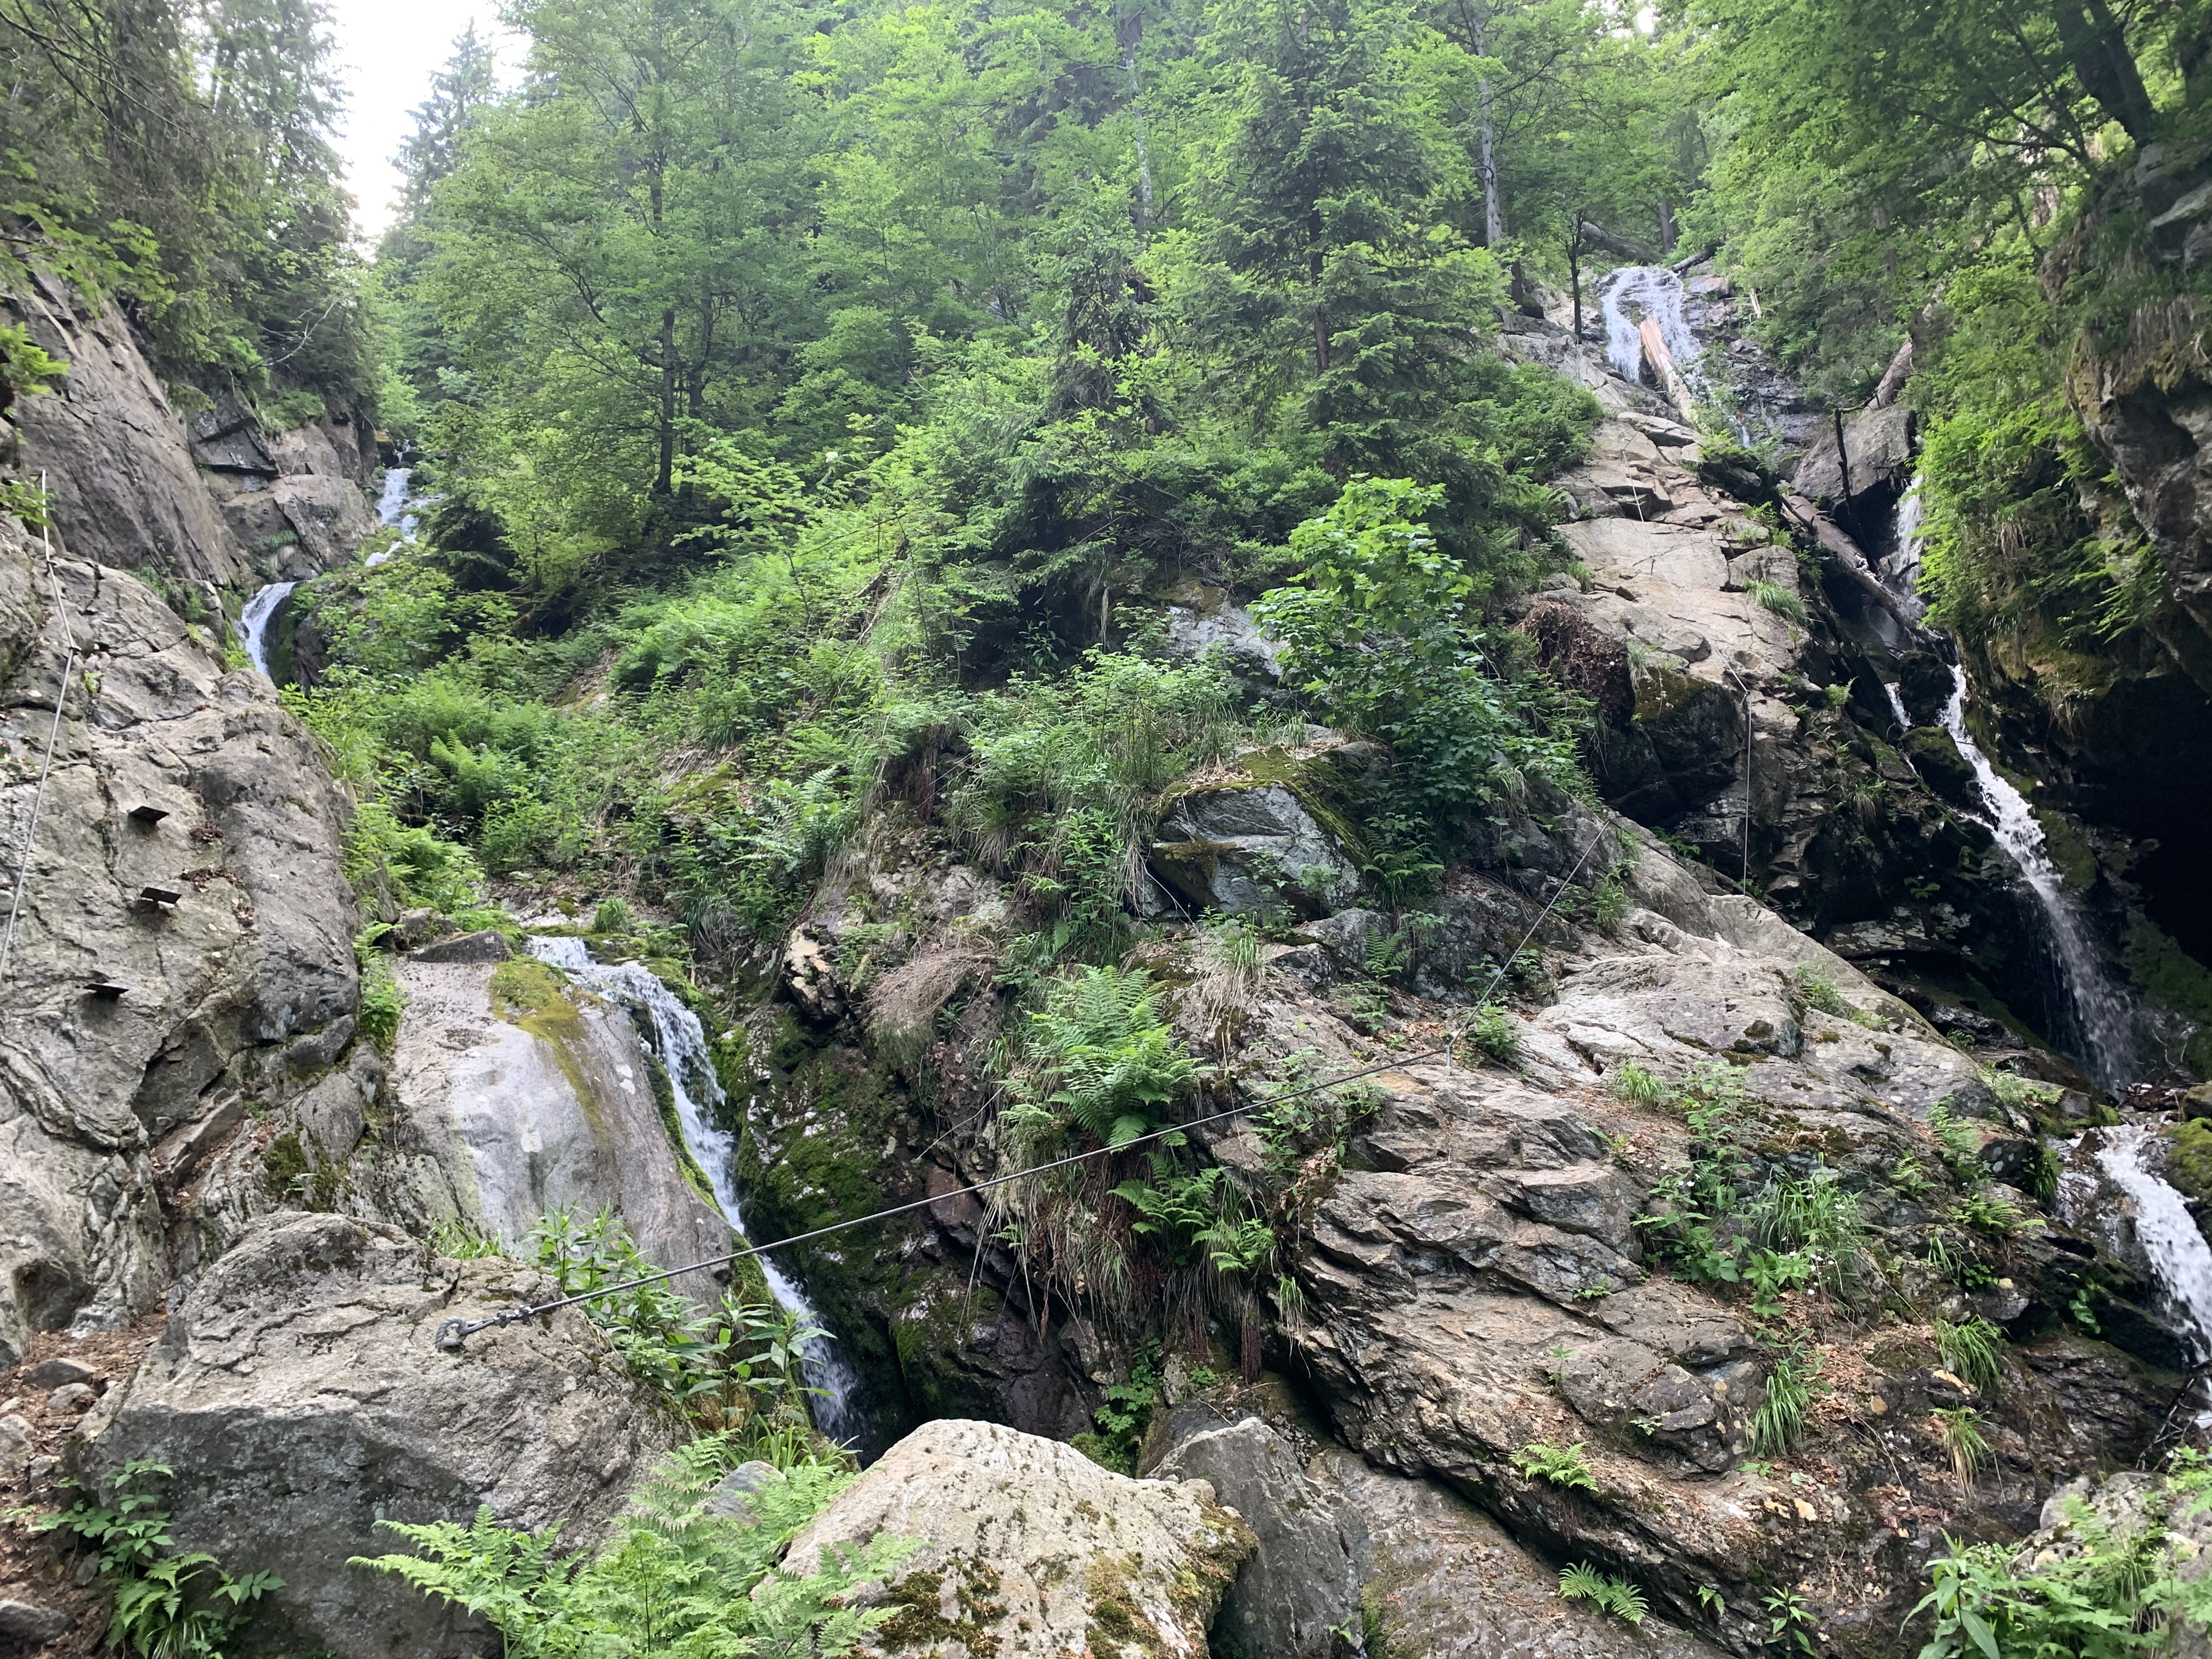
(1122, 1415)
(1202, 1216)
(1973, 1351)
(1495, 1034)
(734, 1368)
(1817, 987)
(169, 1604)
(1580, 1582)
(1562, 1466)
(1099, 1058)
(2112, 1588)
(1960, 1428)
(382, 1001)
(1641, 1085)
(1382, 631)
(673, 1578)
(1782, 601)
(1780, 1419)
(1957, 1142)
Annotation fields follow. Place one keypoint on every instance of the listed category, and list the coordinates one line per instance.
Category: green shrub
(674, 1578)
(1495, 1034)
(1563, 1466)
(168, 1604)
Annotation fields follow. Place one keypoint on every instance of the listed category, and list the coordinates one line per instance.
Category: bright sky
(387, 52)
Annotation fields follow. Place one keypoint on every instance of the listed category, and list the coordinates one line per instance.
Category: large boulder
(183, 943)
(1030, 1548)
(535, 1096)
(301, 1396)
(1300, 1590)
(1267, 836)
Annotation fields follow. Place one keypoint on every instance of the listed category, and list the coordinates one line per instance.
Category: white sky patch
(387, 51)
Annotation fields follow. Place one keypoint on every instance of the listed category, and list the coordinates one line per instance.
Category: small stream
(673, 1033)
(254, 621)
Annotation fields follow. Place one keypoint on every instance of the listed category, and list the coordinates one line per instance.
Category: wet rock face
(1029, 1548)
(188, 861)
(540, 1105)
(302, 1397)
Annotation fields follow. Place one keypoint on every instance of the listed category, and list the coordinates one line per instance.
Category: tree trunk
(2099, 53)
(1666, 227)
(1662, 365)
(1494, 219)
(1894, 377)
(1130, 30)
(665, 479)
(1599, 236)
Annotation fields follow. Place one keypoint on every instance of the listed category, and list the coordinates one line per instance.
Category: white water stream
(1632, 292)
(673, 1033)
(254, 621)
(2097, 1008)
(2167, 1232)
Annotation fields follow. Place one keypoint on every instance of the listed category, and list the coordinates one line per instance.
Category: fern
(675, 1578)
(1616, 1596)
(1562, 1466)
(1104, 1057)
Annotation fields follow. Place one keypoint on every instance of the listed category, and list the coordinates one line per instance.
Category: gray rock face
(122, 482)
(531, 1111)
(1030, 1548)
(300, 1395)
(33, 1626)
(1302, 1586)
(242, 984)
(1448, 1582)
(1880, 444)
(1246, 847)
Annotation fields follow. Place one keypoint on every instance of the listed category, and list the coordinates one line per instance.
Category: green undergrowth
(675, 1577)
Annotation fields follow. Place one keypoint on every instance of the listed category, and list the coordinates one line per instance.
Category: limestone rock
(531, 1109)
(243, 986)
(1302, 1586)
(301, 1396)
(1029, 1548)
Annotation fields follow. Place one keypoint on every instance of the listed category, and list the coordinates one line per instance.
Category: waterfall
(2169, 1234)
(672, 1032)
(2097, 1010)
(1899, 567)
(1627, 297)
(394, 508)
(1896, 706)
(254, 621)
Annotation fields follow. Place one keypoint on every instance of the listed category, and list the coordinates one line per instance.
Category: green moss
(2190, 1166)
(1116, 1614)
(2068, 849)
(534, 995)
(2170, 978)
(920, 1624)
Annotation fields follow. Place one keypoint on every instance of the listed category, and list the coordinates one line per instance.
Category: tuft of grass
(1780, 1416)
(1641, 1085)
(1781, 601)
(1960, 1429)
(1973, 1351)
(1562, 1466)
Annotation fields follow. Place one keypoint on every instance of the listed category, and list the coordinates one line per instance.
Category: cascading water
(2092, 1007)
(1627, 297)
(254, 621)
(2168, 1234)
(395, 508)
(2096, 1008)
(673, 1033)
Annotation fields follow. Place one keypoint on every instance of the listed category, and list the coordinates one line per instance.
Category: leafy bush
(1616, 1596)
(1100, 1058)
(2108, 1591)
(674, 1578)
(1562, 1466)
(735, 1368)
(1495, 1034)
(1381, 632)
(169, 1604)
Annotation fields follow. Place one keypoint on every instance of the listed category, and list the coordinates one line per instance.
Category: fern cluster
(1616, 1596)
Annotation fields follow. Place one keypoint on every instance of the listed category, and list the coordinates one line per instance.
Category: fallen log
(1599, 236)
(1662, 365)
